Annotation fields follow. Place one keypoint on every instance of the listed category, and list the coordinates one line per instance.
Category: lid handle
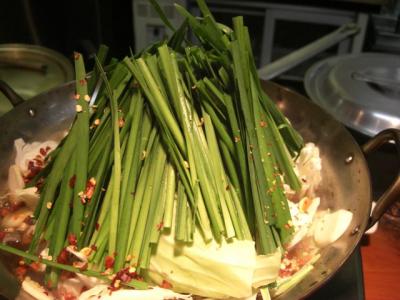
(11, 95)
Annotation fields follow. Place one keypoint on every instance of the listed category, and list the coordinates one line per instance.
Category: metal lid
(30, 70)
(360, 90)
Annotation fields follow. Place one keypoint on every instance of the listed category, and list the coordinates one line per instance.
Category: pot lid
(30, 70)
(360, 90)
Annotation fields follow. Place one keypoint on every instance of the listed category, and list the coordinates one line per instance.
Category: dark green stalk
(126, 199)
(81, 168)
(57, 240)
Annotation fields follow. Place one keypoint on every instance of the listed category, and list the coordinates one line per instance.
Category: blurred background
(277, 27)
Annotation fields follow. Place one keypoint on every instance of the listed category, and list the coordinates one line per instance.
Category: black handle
(392, 194)
(11, 95)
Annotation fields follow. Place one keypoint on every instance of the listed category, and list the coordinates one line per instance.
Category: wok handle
(393, 192)
(11, 95)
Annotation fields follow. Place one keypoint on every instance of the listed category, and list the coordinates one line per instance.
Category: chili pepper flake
(109, 262)
(62, 258)
(83, 197)
(287, 226)
(97, 226)
(42, 151)
(76, 55)
(77, 96)
(121, 122)
(72, 181)
(20, 272)
(35, 266)
(90, 186)
(124, 275)
(72, 240)
(263, 124)
(93, 247)
(165, 284)
(29, 220)
(4, 211)
(82, 82)
(160, 226)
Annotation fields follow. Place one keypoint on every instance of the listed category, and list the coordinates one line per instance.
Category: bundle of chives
(174, 131)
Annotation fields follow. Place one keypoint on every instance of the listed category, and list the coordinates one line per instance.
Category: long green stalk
(140, 285)
(81, 168)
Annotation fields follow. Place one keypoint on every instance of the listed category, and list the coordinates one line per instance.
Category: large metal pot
(345, 184)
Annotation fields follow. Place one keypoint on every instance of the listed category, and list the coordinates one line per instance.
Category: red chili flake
(76, 55)
(4, 211)
(287, 226)
(17, 206)
(35, 266)
(27, 238)
(82, 82)
(72, 239)
(63, 257)
(89, 191)
(72, 181)
(43, 151)
(93, 247)
(285, 273)
(160, 226)
(29, 220)
(263, 124)
(48, 148)
(97, 226)
(166, 285)
(83, 197)
(38, 162)
(124, 275)
(49, 284)
(20, 272)
(33, 170)
(121, 122)
(69, 296)
(2, 235)
(109, 262)
(39, 184)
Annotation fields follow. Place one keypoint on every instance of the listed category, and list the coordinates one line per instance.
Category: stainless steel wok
(345, 184)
